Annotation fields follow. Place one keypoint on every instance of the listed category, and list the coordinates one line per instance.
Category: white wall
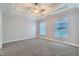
(16, 28)
(74, 28)
(73, 16)
(73, 24)
(0, 30)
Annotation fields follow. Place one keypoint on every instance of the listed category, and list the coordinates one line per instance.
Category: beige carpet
(38, 47)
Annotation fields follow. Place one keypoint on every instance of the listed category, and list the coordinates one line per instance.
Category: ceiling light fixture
(36, 8)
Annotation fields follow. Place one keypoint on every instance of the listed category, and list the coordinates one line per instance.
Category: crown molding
(38, 17)
(65, 9)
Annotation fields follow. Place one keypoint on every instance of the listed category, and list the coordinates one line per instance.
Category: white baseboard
(68, 43)
(18, 40)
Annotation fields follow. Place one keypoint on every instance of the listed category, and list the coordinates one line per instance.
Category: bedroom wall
(50, 22)
(73, 35)
(0, 30)
(74, 28)
(73, 16)
(16, 28)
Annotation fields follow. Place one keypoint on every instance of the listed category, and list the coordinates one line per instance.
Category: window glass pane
(62, 28)
(42, 28)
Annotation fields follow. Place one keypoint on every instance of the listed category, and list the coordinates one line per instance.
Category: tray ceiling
(28, 8)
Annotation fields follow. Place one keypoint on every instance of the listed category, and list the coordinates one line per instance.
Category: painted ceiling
(28, 8)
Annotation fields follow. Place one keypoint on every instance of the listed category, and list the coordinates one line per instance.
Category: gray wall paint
(17, 28)
(0, 30)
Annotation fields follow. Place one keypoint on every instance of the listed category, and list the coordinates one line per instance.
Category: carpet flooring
(38, 47)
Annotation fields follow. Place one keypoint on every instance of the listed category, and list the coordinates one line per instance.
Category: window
(42, 28)
(62, 28)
